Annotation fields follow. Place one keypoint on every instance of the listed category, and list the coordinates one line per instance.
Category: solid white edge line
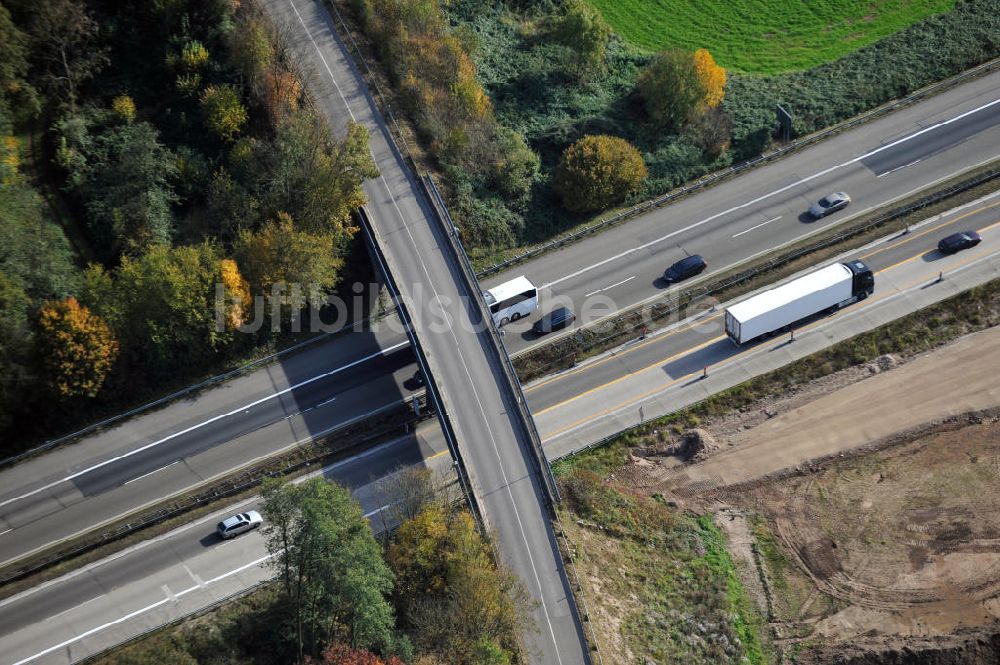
(211, 420)
(780, 190)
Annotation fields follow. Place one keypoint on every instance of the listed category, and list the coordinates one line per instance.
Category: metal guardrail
(431, 386)
(211, 381)
(671, 304)
(719, 176)
(201, 611)
(448, 227)
(434, 198)
(247, 479)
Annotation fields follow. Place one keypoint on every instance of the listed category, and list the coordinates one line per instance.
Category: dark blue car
(685, 268)
(956, 242)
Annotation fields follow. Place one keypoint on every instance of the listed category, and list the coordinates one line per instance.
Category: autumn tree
(459, 606)
(124, 108)
(224, 112)
(330, 567)
(315, 177)
(584, 30)
(341, 654)
(597, 172)
(712, 76)
(279, 255)
(77, 348)
(672, 89)
(251, 49)
(66, 47)
(162, 304)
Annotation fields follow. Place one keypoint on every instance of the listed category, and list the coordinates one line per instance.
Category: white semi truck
(826, 289)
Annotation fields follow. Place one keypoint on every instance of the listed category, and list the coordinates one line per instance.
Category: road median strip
(342, 443)
(566, 351)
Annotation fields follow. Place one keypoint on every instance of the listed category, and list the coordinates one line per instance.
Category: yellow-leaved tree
(237, 292)
(77, 348)
(597, 172)
(712, 76)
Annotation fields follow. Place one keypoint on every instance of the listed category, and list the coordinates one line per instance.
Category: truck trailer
(827, 289)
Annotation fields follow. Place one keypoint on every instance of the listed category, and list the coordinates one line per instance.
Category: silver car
(829, 203)
(237, 524)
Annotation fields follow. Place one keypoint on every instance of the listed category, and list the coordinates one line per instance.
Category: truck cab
(863, 283)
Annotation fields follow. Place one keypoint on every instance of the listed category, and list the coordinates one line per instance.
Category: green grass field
(765, 36)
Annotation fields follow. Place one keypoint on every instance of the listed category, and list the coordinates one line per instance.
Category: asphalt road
(489, 429)
(746, 216)
(753, 214)
(666, 372)
(167, 576)
(163, 578)
(152, 457)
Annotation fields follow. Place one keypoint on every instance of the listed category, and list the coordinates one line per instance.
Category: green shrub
(597, 172)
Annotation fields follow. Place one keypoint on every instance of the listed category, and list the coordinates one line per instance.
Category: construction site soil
(862, 511)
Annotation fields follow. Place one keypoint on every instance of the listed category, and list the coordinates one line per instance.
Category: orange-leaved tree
(712, 76)
(77, 348)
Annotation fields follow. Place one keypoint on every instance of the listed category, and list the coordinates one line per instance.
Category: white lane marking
(197, 580)
(168, 593)
(757, 227)
(211, 517)
(325, 402)
(7, 531)
(898, 168)
(211, 420)
(757, 200)
(377, 510)
(76, 607)
(609, 287)
(824, 325)
(136, 613)
(151, 472)
(451, 330)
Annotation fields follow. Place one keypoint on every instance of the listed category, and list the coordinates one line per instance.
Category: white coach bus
(511, 300)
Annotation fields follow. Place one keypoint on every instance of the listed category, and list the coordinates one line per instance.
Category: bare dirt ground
(865, 507)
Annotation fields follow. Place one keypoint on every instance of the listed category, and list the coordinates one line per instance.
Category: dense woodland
(150, 151)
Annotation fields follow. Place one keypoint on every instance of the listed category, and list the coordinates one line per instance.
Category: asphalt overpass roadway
(309, 392)
(84, 612)
(478, 406)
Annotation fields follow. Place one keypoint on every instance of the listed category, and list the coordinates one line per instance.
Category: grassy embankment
(765, 36)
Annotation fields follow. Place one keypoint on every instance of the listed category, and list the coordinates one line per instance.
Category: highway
(463, 363)
(157, 455)
(745, 216)
(762, 210)
(168, 576)
(573, 409)
(623, 264)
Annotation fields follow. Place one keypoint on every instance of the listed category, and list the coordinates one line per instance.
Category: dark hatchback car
(686, 267)
(956, 242)
(557, 319)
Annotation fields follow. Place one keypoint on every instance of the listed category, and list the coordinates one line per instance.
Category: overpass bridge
(490, 431)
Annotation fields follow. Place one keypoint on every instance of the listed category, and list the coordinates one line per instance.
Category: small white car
(237, 524)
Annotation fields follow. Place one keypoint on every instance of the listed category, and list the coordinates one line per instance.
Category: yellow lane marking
(932, 229)
(625, 376)
(663, 386)
(622, 353)
(658, 338)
